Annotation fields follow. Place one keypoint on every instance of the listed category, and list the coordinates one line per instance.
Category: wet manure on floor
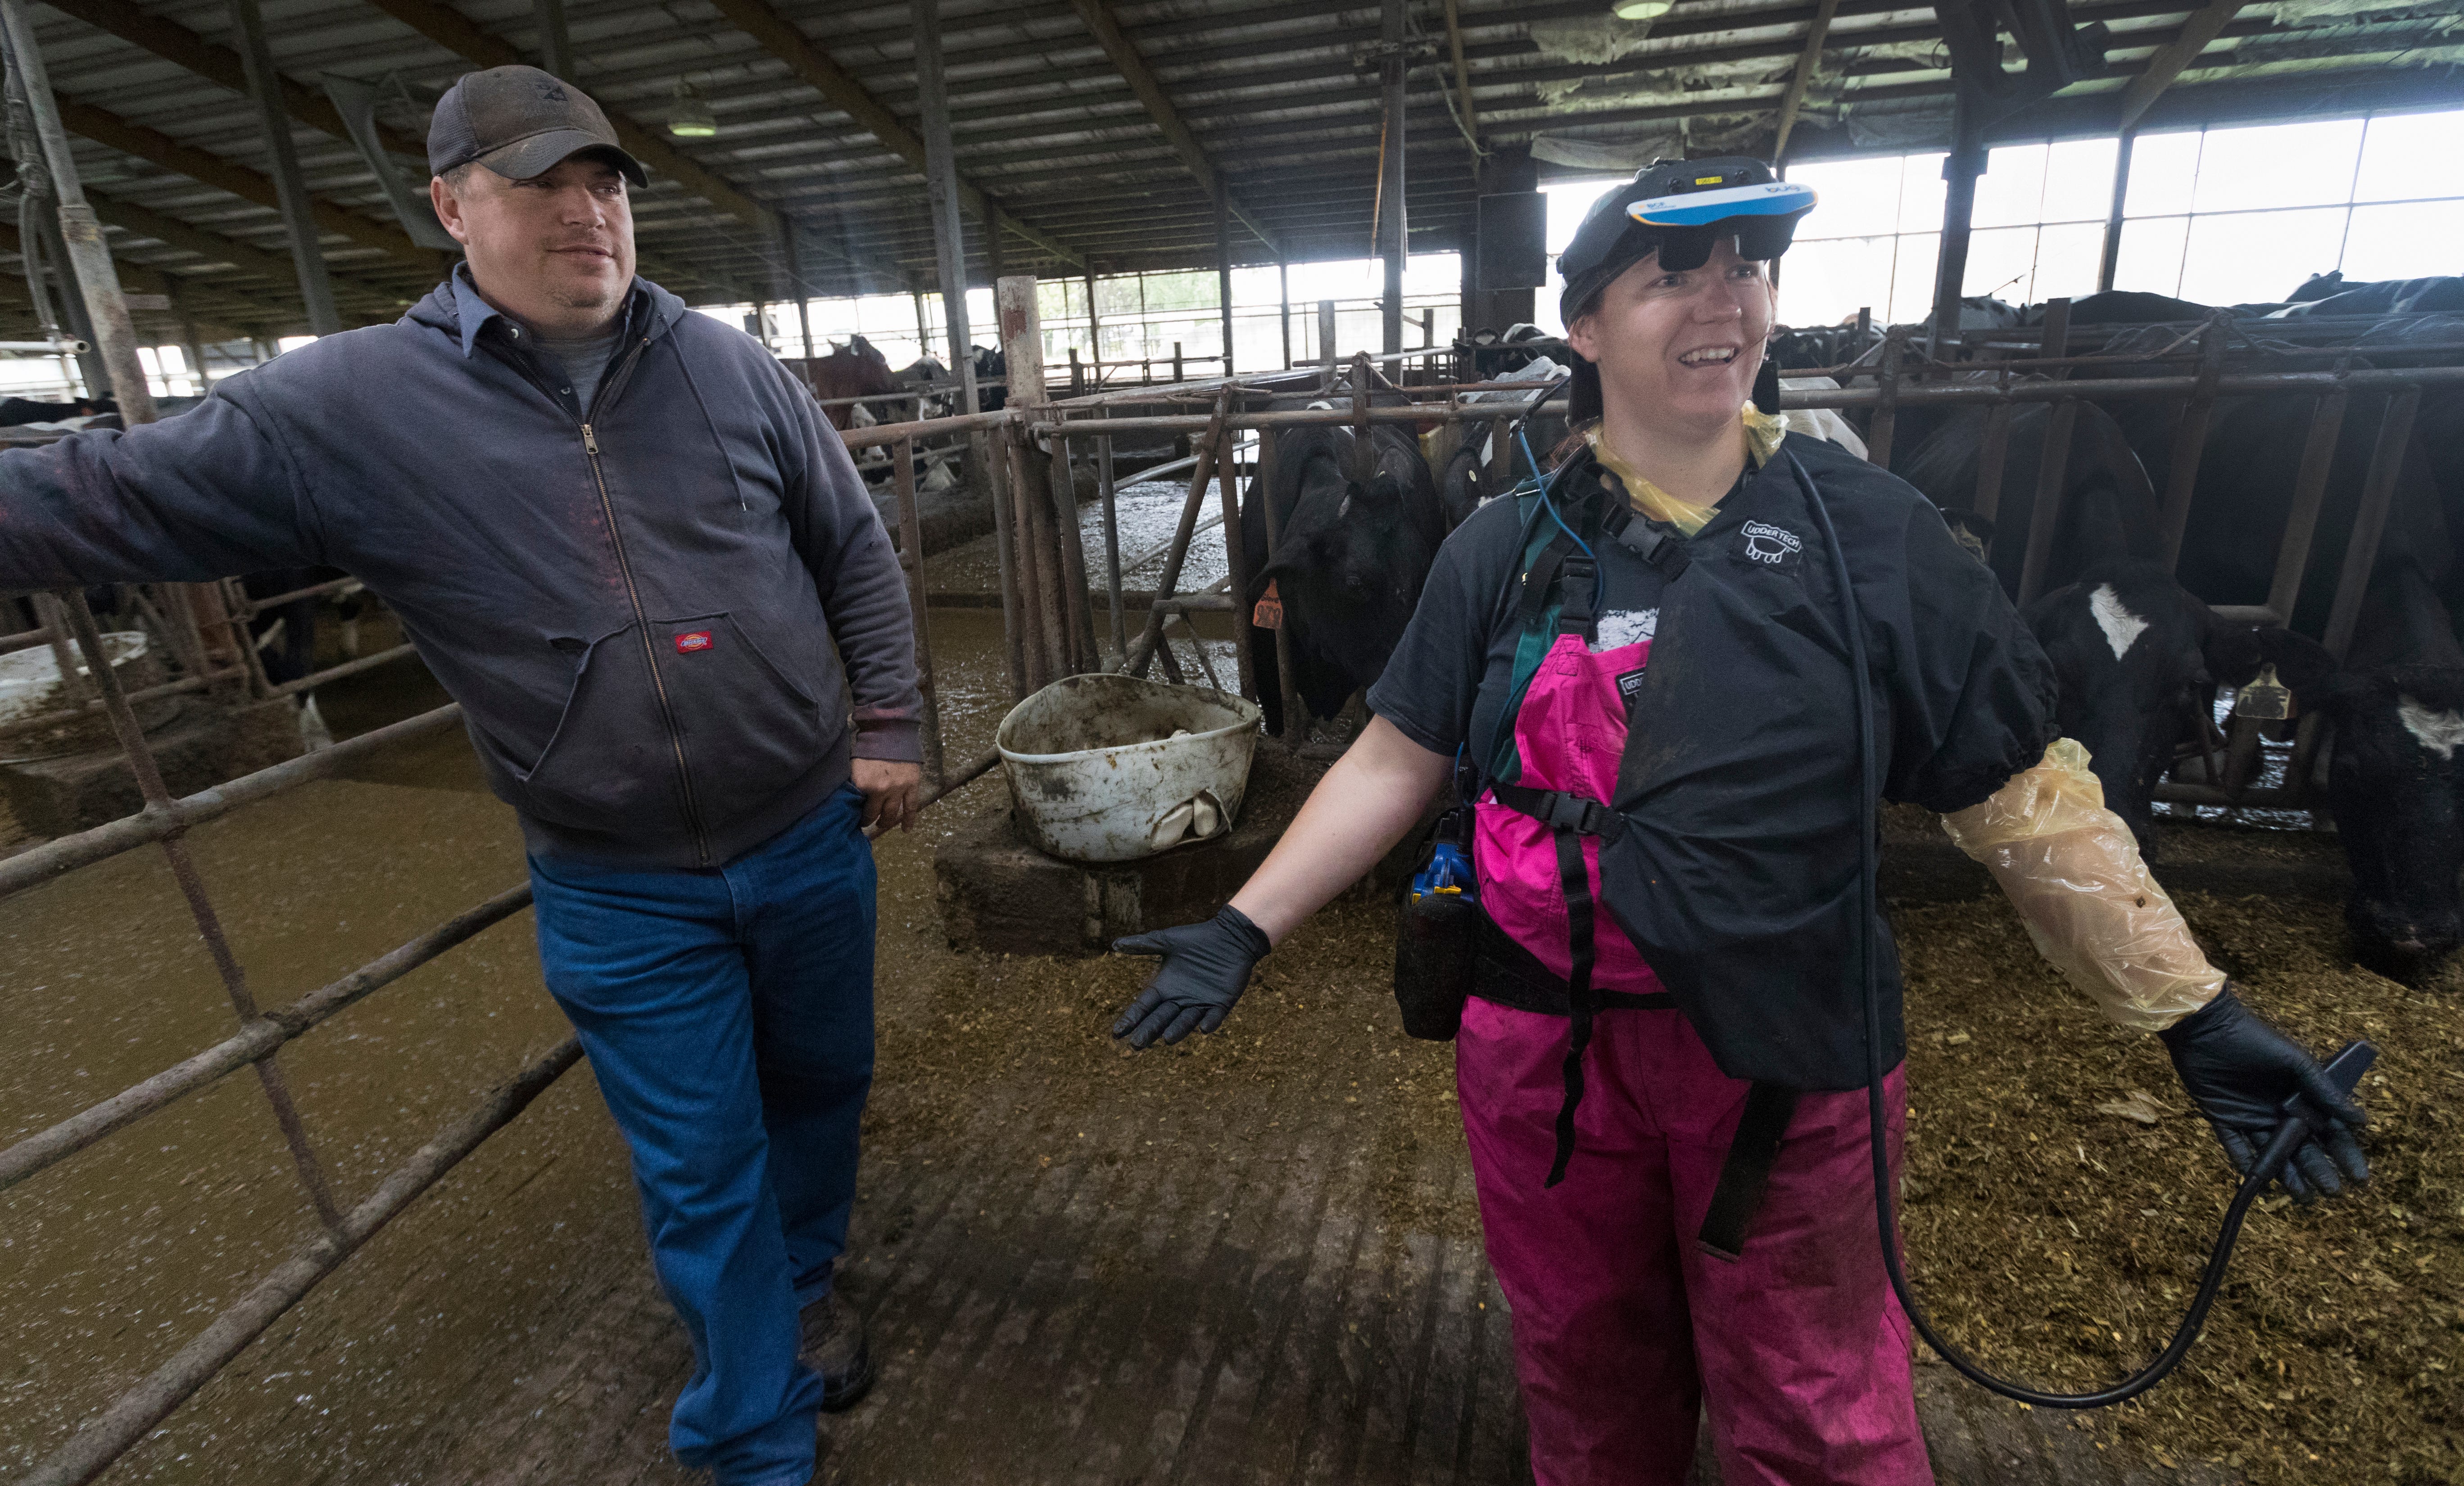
(2061, 1197)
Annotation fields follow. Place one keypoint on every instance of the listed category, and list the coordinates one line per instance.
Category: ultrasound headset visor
(1762, 218)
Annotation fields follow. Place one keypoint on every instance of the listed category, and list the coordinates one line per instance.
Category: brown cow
(855, 369)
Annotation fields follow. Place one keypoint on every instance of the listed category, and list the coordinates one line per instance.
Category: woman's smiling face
(1679, 349)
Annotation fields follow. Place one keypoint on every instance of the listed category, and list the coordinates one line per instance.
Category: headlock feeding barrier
(1049, 629)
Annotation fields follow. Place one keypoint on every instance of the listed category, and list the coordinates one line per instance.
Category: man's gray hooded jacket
(664, 614)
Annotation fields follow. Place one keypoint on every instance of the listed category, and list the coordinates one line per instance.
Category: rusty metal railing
(257, 1041)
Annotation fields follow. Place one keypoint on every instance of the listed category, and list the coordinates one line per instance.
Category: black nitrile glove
(1205, 967)
(2241, 1071)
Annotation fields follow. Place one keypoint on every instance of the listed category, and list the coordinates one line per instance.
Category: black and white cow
(2136, 657)
(1349, 564)
(2394, 776)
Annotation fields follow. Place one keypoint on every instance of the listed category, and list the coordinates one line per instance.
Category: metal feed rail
(260, 1037)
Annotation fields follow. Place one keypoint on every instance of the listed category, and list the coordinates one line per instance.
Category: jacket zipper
(609, 386)
(649, 651)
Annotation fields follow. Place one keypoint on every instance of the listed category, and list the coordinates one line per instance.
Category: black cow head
(2134, 652)
(2395, 772)
(1349, 569)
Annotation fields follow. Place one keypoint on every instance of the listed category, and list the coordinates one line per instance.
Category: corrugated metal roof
(1282, 99)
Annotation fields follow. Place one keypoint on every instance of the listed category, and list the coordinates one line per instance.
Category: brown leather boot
(834, 1348)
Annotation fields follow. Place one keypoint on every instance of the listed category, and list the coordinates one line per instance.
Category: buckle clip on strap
(1746, 1173)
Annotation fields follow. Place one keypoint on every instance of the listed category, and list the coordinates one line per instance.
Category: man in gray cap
(626, 542)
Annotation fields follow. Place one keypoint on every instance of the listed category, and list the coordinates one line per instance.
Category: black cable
(2288, 1135)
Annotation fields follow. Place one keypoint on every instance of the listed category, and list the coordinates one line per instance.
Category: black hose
(2288, 1135)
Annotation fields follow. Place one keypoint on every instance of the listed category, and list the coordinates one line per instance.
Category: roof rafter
(783, 40)
(106, 127)
(176, 43)
(2174, 59)
(1097, 15)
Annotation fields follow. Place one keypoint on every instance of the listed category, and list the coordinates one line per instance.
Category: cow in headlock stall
(1349, 564)
(855, 369)
(2396, 710)
(2136, 653)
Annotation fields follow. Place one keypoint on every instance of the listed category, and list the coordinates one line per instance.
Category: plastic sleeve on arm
(2073, 870)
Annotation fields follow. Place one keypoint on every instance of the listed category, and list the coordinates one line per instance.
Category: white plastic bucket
(1113, 768)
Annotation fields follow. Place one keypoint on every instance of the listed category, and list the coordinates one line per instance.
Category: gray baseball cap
(518, 121)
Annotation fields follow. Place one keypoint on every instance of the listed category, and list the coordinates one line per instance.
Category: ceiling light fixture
(1642, 10)
(688, 115)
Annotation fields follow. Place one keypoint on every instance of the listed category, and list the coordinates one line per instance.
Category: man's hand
(1205, 967)
(2241, 1071)
(890, 790)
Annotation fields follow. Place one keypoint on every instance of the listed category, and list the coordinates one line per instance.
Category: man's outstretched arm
(207, 494)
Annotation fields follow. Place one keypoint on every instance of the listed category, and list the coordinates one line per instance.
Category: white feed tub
(1111, 768)
(30, 679)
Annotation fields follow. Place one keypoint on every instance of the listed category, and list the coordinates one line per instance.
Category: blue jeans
(728, 1017)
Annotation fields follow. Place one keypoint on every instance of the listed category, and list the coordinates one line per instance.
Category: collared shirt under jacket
(664, 614)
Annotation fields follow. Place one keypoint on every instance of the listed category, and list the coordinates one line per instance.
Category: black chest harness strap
(1746, 1171)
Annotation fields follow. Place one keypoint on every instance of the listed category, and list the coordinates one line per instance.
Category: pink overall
(1623, 1327)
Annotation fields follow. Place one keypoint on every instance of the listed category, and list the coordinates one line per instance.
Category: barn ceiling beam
(177, 44)
(1816, 33)
(225, 308)
(450, 29)
(2174, 59)
(104, 128)
(214, 247)
(1097, 14)
(781, 38)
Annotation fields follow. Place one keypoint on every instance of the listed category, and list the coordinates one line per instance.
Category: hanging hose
(2345, 1068)
(35, 188)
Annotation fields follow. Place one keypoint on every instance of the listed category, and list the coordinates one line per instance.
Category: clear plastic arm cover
(2072, 869)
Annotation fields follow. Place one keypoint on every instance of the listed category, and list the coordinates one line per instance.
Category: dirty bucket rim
(1251, 715)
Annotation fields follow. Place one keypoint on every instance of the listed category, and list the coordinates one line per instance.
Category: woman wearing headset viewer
(1662, 1061)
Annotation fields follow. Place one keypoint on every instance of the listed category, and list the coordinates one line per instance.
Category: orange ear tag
(1269, 611)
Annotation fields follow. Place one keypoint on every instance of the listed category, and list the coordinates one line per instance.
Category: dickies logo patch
(696, 640)
(1771, 546)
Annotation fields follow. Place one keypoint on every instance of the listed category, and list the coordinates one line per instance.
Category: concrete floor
(1252, 1260)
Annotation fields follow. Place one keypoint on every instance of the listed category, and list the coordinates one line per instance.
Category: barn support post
(1325, 346)
(1394, 235)
(1169, 584)
(1965, 164)
(554, 44)
(1105, 492)
(2371, 519)
(2191, 437)
(1094, 334)
(2109, 257)
(1224, 273)
(1283, 286)
(290, 186)
(1227, 475)
(2053, 484)
(1994, 456)
(949, 262)
(1295, 713)
(795, 287)
(85, 255)
(1058, 568)
(1886, 413)
(910, 559)
(2309, 494)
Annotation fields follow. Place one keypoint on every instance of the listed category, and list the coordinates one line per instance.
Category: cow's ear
(2232, 654)
(2302, 663)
